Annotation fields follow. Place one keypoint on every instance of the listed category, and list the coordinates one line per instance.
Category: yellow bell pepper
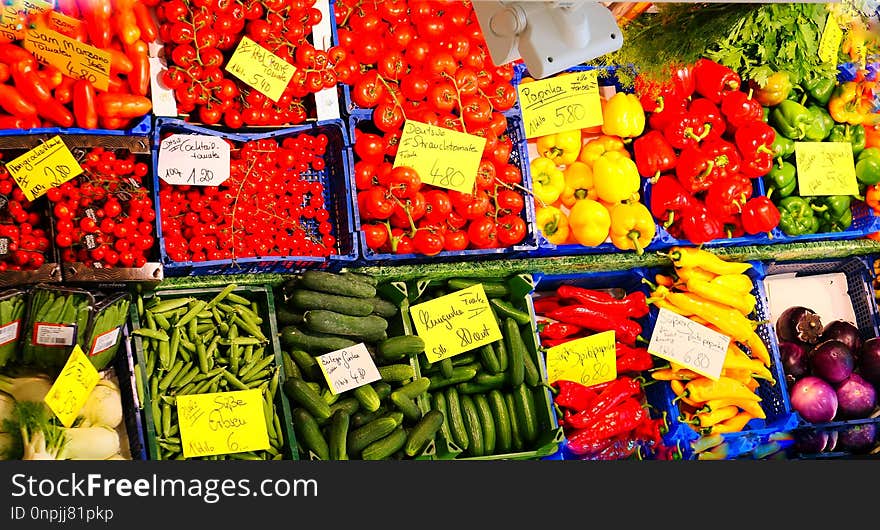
(562, 148)
(553, 224)
(589, 222)
(599, 146)
(632, 226)
(547, 180)
(616, 177)
(623, 115)
(578, 183)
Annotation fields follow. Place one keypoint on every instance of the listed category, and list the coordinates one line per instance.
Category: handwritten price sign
(46, 166)
(442, 157)
(832, 36)
(825, 168)
(455, 323)
(348, 368)
(589, 361)
(562, 103)
(260, 68)
(681, 340)
(222, 423)
(72, 387)
(74, 58)
(193, 160)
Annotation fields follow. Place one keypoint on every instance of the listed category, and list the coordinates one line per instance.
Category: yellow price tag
(832, 36)
(825, 168)
(46, 166)
(74, 58)
(222, 423)
(455, 323)
(261, 69)
(63, 23)
(562, 103)
(589, 361)
(442, 157)
(72, 387)
(32, 7)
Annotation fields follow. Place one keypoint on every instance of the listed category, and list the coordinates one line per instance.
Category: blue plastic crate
(518, 156)
(607, 75)
(864, 222)
(836, 445)
(336, 178)
(141, 127)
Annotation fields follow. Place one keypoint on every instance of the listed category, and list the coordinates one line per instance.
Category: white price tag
(194, 160)
(681, 340)
(9, 332)
(164, 103)
(348, 368)
(46, 334)
(104, 341)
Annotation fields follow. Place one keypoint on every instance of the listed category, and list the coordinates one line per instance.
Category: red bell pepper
(699, 226)
(740, 108)
(573, 395)
(634, 360)
(727, 196)
(668, 199)
(559, 330)
(653, 154)
(633, 305)
(725, 158)
(757, 164)
(672, 105)
(683, 81)
(621, 389)
(710, 115)
(625, 330)
(753, 137)
(760, 215)
(732, 225)
(685, 130)
(694, 169)
(712, 80)
(621, 419)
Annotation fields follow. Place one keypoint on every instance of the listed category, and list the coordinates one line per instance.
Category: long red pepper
(626, 331)
(559, 330)
(573, 395)
(622, 389)
(635, 360)
(545, 304)
(632, 305)
(623, 418)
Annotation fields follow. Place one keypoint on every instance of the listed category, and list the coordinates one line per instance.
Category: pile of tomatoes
(427, 61)
(24, 239)
(104, 218)
(271, 205)
(200, 36)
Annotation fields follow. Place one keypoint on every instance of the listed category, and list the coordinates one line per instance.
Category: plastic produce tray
(336, 178)
(265, 300)
(837, 446)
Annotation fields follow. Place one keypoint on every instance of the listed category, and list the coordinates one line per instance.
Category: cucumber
(493, 289)
(506, 309)
(362, 417)
(305, 300)
(516, 348)
(308, 433)
(382, 307)
(367, 397)
(473, 425)
(487, 422)
(463, 359)
(438, 403)
(456, 420)
(313, 342)
(385, 447)
(397, 348)
(396, 373)
(501, 353)
(502, 421)
(532, 376)
(407, 406)
(482, 383)
(338, 435)
(527, 417)
(489, 360)
(377, 429)
(446, 367)
(304, 395)
(383, 389)
(331, 322)
(516, 442)
(348, 405)
(328, 282)
(423, 432)
(290, 367)
(460, 374)
(363, 278)
(415, 388)
(307, 364)
(284, 316)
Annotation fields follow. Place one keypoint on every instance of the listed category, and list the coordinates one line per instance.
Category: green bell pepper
(854, 134)
(821, 125)
(868, 166)
(834, 212)
(782, 147)
(838, 224)
(820, 89)
(781, 180)
(791, 119)
(796, 217)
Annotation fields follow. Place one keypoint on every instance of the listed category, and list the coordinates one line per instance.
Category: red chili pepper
(757, 164)
(623, 418)
(740, 108)
(650, 430)
(559, 330)
(621, 389)
(712, 79)
(626, 330)
(685, 130)
(545, 304)
(699, 226)
(549, 343)
(586, 449)
(653, 154)
(755, 136)
(635, 360)
(709, 114)
(727, 196)
(760, 215)
(668, 200)
(573, 395)
(629, 306)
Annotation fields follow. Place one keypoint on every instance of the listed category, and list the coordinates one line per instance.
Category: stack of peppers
(705, 143)
(716, 294)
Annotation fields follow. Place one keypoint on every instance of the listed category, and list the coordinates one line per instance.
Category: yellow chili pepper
(623, 115)
(547, 180)
(710, 418)
(553, 224)
(616, 177)
(744, 376)
(737, 359)
(666, 281)
(600, 145)
(730, 321)
(678, 388)
(750, 406)
(704, 389)
(688, 273)
(704, 443)
(735, 282)
(683, 257)
(757, 347)
(734, 424)
(742, 302)
(632, 226)
(578, 184)
(589, 222)
(718, 452)
(562, 148)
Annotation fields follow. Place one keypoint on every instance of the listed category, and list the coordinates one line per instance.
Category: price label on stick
(76, 59)
(680, 340)
(46, 166)
(589, 361)
(72, 387)
(442, 157)
(825, 168)
(222, 423)
(455, 323)
(261, 69)
(193, 159)
(562, 103)
(832, 36)
(348, 368)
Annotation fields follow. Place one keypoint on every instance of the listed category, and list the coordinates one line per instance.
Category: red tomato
(483, 233)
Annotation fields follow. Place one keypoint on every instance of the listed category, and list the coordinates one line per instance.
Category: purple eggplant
(799, 324)
(845, 332)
